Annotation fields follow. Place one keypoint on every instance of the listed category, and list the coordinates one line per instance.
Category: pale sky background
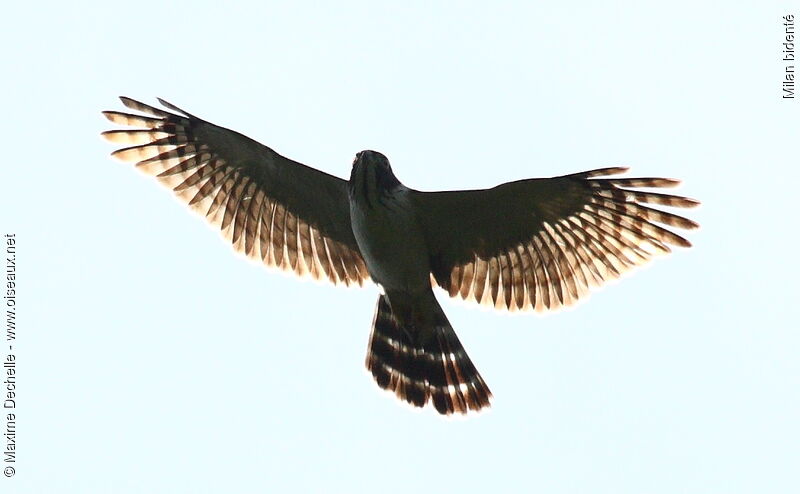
(152, 359)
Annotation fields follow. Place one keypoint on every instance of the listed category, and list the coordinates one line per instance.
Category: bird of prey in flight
(531, 244)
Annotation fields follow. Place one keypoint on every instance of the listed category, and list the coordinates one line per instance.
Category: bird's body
(413, 349)
(531, 244)
(386, 228)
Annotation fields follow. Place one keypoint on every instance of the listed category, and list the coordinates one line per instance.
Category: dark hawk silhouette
(532, 244)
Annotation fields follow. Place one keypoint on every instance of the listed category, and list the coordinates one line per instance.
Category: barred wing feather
(542, 243)
(271, 208)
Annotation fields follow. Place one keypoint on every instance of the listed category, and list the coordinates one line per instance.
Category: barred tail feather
(434, 367)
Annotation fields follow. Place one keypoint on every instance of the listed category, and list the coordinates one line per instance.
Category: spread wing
(542, 243)
(270, 207)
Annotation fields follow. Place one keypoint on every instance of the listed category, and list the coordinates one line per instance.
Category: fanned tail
(424, 364)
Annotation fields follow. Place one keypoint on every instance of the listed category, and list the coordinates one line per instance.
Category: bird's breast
(391, 242)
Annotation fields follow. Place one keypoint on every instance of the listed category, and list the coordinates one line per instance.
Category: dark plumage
(532, 244)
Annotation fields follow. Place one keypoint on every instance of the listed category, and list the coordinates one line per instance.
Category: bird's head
(372, 175)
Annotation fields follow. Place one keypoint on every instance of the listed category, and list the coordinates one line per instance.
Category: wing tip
(110, 115)
(669, 182)
(172, 107)
(110, 136)
(129, 102)
(691, 203)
